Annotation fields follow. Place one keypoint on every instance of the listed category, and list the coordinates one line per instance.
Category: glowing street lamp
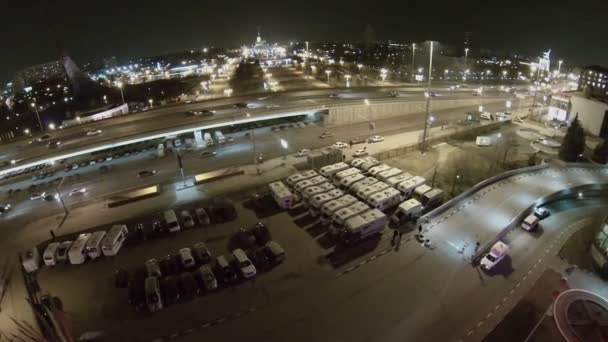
(360, 66)
(366, 101)
(342, 63)
(508, 104)
(150, 101)
(33, 104)
(504, 73)
(481, 108)
(51, 126)
(347, 77)
(228, 91)
(559, 66)
(26, 131)
(328, 72)
(122, 95)
(383, 74)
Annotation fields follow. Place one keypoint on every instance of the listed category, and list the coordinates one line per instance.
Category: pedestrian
(398, 242)
(393, 240)
(52, 234)
(420, 230)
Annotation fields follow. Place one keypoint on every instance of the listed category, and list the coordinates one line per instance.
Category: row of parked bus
(354, 199)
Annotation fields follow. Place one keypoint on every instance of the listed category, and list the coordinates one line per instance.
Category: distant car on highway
(94, 132)
(357, 140)
(340, 145)
(360, 153)
(541, 213)
(146, 173)
(334, 96)
(393, 93)
(204, 112)
(241, 105)
(50, 197)
(4, 208)
(79, 191)
(37, 196)
(375, 139)
(42, 137)
(54, 144)
(326, 135)
(208, 154)
(302, 153)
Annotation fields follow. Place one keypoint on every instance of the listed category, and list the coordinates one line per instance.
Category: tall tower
(468, 37)
(78, 79)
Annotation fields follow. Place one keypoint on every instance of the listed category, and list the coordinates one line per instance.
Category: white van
(347, 182)
(329, 208)
(385, 199)
(339, 176)
(219, 137)
(340, 216)
(153, 299)
(329, 170)
(366, 192)
(363, 225)
(298, 177)
(115, 237)
(77, 253)
(281, 194)
(318, 200)
(313, 190)
(392, 172)
(406, 211)
(369, 164)
(393, 181)
(407, 187)
(432, 199)
(377, 169)
(31, 260)
(171, 221)
(530, 223)
(496, 254)
(318, 180)
(244, 264)
(208, 139)
(93, 246)
(367, 181)
(50, 253)
(420, 191)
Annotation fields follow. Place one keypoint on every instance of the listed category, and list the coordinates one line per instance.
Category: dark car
(49, 198)
(121, 278)
(208, 154)
(224, 270)
(260, 259)
(245, 238)
(240, 105)
(221, 210)
(187, 286)
(146, 173)
(83, 164)
(357, 140)
(170, 265)
(274, 252)
(261, 233)
(169, 290)
(137, 296)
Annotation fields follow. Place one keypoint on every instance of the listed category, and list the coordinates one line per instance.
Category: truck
(385, 199)
(361, 226)
(219, 137)
(393, 181)
(281, 195)
(406, 211)
(407, 187)
(366, 192)
(339, 176)
(318, 200)
(329, 208)
(313, 190)
(377, 169)
(358, 162)
(432, 199)
(365, 182)
(329, 170)
(420, 191)
(339, 217)
(347, 182)
(208, 139)
(318, 180)
(498, 252)
(385, 175)
(300, 176)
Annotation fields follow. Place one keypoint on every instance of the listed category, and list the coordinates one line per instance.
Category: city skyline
(129, 30)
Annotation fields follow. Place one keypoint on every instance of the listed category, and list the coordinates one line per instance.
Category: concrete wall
(377, 111)
(591, 113)
(116, 111)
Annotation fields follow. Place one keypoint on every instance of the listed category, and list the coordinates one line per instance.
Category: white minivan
(93, 246)
(112, 242)
(530, 223)
(50, 254)
(244, 264)
(77, 254)
(171, 221)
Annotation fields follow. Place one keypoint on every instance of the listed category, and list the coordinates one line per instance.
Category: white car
(340, 145)
(79, 191)
(94, 132)
(375, 139)
(325, 135)
(62, 251)
(302, 153)
(36, 196)
(244, 264)
(185, 254)
(360, 153)
(496, 254)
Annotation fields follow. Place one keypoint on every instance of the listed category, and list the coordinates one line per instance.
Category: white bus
(93, 246)
(339, 176)
(358, 162)
(330, 170)
(367, 181)
(407, 188)
(420, 191)
(208, 140)
(364, 193)
(369, 164)
(432, 199)
(313, 190)
(281, 194)
(318, 180)
(219, 137)
(115, 237)
(329, 208)
(318, 200)
(298, 177)
(363, 225)
(406, 211)
(347, 182)
(171, 221)
(393, 181)
(50, 253)
(385, 199)
(339, 217)
(385, 175)
(77, 253)
(377, 169)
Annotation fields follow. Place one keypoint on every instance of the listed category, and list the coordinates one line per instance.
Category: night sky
(34, 30)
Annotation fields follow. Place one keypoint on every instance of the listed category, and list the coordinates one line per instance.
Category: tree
(600, 153)
(506, 144)
(573, 144)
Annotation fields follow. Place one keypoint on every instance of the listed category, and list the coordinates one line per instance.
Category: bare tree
(506, 145)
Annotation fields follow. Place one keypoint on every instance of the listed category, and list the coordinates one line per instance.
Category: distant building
(594, 80)
(37, 73)
(592, 113)
(599, 249)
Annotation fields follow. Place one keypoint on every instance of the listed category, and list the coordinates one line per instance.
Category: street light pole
(428, 101)
(38, 116)
(413, 59)
(122, 95)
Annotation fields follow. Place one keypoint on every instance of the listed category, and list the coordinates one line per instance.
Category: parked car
(62, 251)
(241, 105)
(221, 210)
(201, 215)
(325, 135)
(205, 278)
(224, 270)
(302, 153)
(187, 219)
(201, 253)
(541, 213)
(169, 290)
(137, 295)
(153, 268)
(187, 286)
(185, 255)
(245, 238)
(243, 263)
(274, 252)
(261, 233)
(169, 265)
(340, 145)
(360, 153)
(260, 259)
